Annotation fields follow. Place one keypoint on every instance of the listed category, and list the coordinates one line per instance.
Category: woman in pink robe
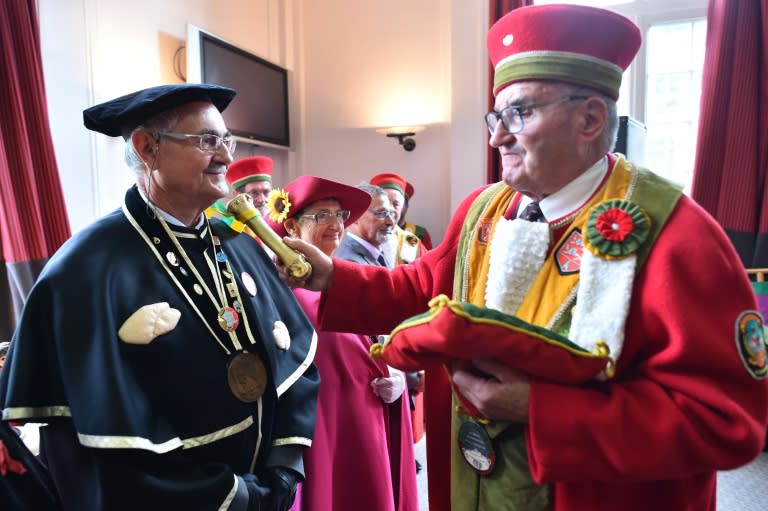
(362, 451)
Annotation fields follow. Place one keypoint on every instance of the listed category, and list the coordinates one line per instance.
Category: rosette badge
(616, 229)
(279, 205)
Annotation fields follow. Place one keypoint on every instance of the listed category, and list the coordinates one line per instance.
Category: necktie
(533, 213)
(381, 260)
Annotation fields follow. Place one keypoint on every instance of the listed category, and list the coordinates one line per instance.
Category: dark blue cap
(120, 116)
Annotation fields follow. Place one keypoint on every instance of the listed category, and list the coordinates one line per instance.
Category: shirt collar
(170, 218)
(375, 252)
(572, 196)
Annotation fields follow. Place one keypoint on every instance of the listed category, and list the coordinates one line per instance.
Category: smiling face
(397, 199)
(544, 156)
(259, 191)
(372, 229)
(184, 178)
(325, 237)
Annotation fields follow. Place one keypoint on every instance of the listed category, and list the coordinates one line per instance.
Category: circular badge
(282, 335)
(249, 283)
(229, 319)
(247, 377)
(476, 447)
(198, 289)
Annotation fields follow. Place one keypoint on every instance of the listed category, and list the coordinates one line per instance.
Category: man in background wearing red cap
(253, 176)
(419, 230)
(580, 243)
(404, 246)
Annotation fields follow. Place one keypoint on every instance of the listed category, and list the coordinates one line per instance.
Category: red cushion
(453, 330)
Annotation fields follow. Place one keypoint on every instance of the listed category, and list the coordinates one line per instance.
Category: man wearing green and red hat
(420, 231)
(577, 252)
(404, 246)
(252, 175)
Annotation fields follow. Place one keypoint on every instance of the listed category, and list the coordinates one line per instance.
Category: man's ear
(594, 116)
(145, 145)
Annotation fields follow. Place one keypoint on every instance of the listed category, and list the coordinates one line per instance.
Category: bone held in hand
(242, 208)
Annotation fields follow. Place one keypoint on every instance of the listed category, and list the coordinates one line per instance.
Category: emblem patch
(568, 254)
(484, 232)
(750, 341)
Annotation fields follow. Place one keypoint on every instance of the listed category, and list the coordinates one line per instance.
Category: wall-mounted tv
(259, 112)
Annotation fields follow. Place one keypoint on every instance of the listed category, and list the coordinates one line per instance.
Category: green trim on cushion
(483, 315)
(560, 66)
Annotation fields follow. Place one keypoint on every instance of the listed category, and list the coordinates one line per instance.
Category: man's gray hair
(372, 190)
(164, 121)
(611, 128)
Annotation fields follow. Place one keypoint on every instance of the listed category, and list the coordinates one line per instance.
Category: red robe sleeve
(682, 400)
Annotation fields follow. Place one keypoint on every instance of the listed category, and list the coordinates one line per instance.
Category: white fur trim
(518, 249)
(602, 302)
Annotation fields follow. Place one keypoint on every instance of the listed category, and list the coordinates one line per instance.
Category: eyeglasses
(513, 116)
(383, 214)
(208, 142)
(324, 216)
(255, 194)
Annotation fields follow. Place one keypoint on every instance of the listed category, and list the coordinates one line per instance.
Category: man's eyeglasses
(324, 216)
(513, 116)
(208, 142)
(255, 194)
(383, 214)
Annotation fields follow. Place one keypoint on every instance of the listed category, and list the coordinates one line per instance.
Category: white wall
(355, 65)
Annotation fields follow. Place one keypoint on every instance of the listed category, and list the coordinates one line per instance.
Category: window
(674, 61)
(662, 87)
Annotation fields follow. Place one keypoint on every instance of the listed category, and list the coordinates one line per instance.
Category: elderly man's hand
(322, 266)
(498, 392)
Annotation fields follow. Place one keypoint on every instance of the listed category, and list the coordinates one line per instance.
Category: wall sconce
(403, 134)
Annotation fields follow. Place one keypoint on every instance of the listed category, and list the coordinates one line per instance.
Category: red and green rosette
(616, 229)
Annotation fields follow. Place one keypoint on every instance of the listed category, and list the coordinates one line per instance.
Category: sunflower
(278, 205)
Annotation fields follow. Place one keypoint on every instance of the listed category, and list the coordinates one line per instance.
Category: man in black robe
(172, 366)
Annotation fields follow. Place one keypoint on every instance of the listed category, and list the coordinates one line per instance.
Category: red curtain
(33, 219)
(731, 157)
(498, 8)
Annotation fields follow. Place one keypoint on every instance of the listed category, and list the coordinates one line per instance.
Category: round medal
(229, 319)
(476, 447)
(247, 377)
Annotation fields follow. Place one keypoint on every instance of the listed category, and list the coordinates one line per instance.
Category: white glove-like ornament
(391, 387)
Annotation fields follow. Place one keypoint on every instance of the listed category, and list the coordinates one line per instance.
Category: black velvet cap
(120, 116)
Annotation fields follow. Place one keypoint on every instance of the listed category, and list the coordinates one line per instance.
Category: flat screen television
(259, 112)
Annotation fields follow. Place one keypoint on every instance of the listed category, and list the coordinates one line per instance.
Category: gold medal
(247, 377)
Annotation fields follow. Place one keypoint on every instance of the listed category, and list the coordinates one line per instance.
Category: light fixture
(403, 134)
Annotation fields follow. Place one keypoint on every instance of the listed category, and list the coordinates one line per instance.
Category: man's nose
(500, 136)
